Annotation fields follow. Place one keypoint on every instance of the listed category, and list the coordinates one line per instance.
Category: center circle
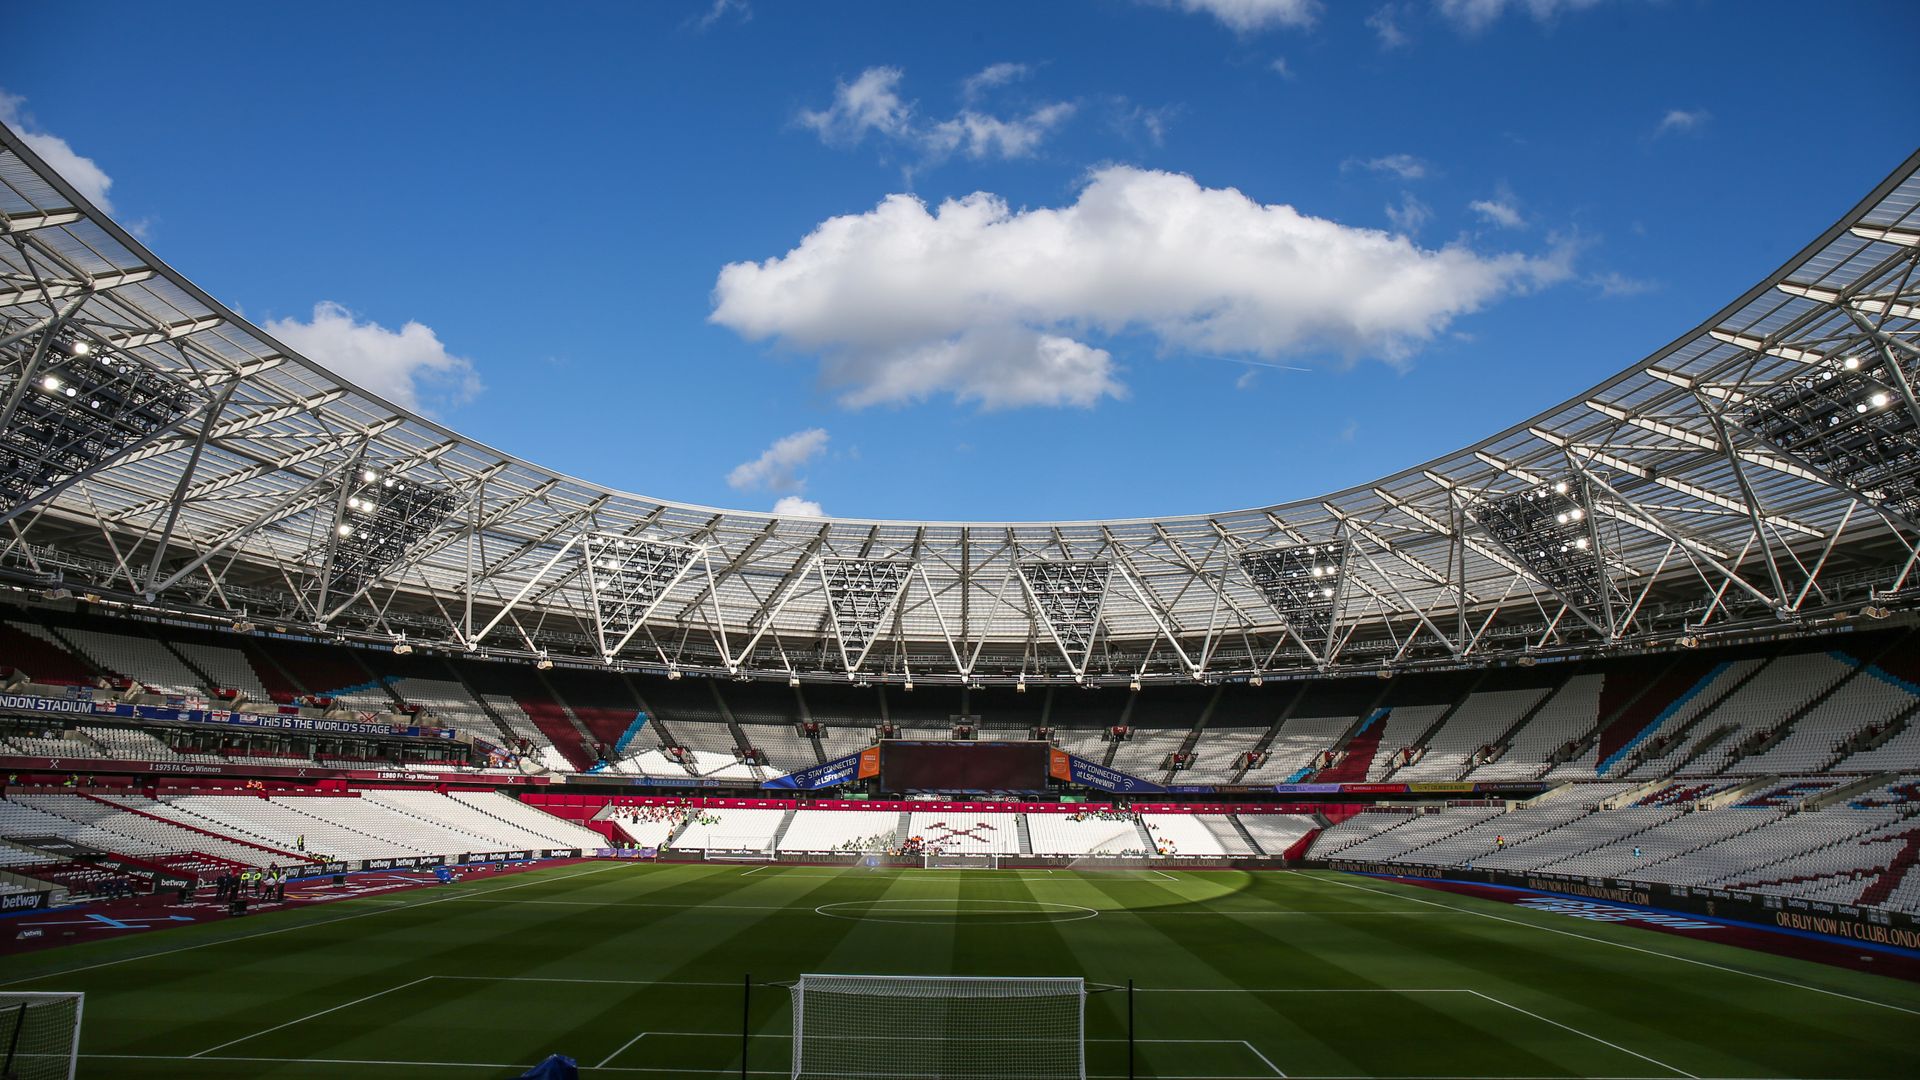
(940, 909)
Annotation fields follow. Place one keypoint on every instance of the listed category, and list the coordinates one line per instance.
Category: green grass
(1310, 974)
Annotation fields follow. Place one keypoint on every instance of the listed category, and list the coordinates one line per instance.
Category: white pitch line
(1263, 1058)
(312, 1016)
(301, 926)
(749, 873)
(1583, 1034)
(783, 1072)
(1170, 877)
(1624, 945)
(622, 1050)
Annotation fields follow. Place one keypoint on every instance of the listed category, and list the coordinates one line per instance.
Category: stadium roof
(1761, 471)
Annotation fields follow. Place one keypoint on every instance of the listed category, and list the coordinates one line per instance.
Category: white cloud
(1385, 23)
(409, 366)
(1247, 16)
(990, 304)
(720, 9)
(1614, 284)
(1682, 121)
(778, 466)
(1410, 214)
(1499, 211)
(869, 103)
(1280, 67)
(88, 178)
(991, 76)
(980, 135)
(1129, 119)
(872, 103)
(795, 506)
(1473, 16)
(1404, 166)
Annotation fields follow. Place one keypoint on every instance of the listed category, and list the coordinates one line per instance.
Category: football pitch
(636, 970)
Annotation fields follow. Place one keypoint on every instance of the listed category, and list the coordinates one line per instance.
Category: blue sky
(1200, 254)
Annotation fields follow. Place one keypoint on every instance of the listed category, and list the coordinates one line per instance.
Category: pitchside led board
(972, 767)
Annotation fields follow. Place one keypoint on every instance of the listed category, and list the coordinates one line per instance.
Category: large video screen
(908, 765)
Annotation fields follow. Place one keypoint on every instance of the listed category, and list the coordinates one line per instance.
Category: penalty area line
(1582, 1034)
(312, 1016)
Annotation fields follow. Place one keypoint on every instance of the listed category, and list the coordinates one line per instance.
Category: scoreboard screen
(911, 765)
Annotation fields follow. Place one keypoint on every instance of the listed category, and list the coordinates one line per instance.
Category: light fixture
(1874, 611)
(1689, 642)
(79, 348)
(673, 673)
(51, 382)
(543, 664)
(1879, 399)
(1020, 687)
(401, 648)
(907, 686)
(242, 626)
(793, 681)
(1526, 661)
(369, 476)
(1134, 684)
(1256, 681)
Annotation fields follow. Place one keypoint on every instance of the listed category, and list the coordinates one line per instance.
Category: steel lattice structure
(1759, 475)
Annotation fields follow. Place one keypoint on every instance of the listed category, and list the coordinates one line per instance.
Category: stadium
(336, 743)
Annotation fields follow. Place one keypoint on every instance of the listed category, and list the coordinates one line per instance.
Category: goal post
(39, 1035)
(960, 862)
(910, 1027)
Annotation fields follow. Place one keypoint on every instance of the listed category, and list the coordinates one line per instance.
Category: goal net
(39, 1035)
(909, 1027)
(962, 862)
(740, 849)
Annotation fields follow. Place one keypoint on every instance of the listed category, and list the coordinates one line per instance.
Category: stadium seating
(966, 832)
(1085, 835)
(844, 830)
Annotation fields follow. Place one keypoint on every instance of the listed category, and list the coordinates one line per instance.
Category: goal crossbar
(907, 1027)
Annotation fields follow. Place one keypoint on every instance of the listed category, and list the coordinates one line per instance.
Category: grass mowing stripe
(1584, 1034)
(535, 878)
(1624, 945)
(312, 1016)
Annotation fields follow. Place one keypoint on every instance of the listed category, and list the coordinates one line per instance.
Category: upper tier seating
(142, 659)
(1145, 752)
(1221, 753)
(1403, 725)
(1480, 720)
(1782, 688)
(229, 668)
(1300, 740)
(31, 648)
(1570, 713)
